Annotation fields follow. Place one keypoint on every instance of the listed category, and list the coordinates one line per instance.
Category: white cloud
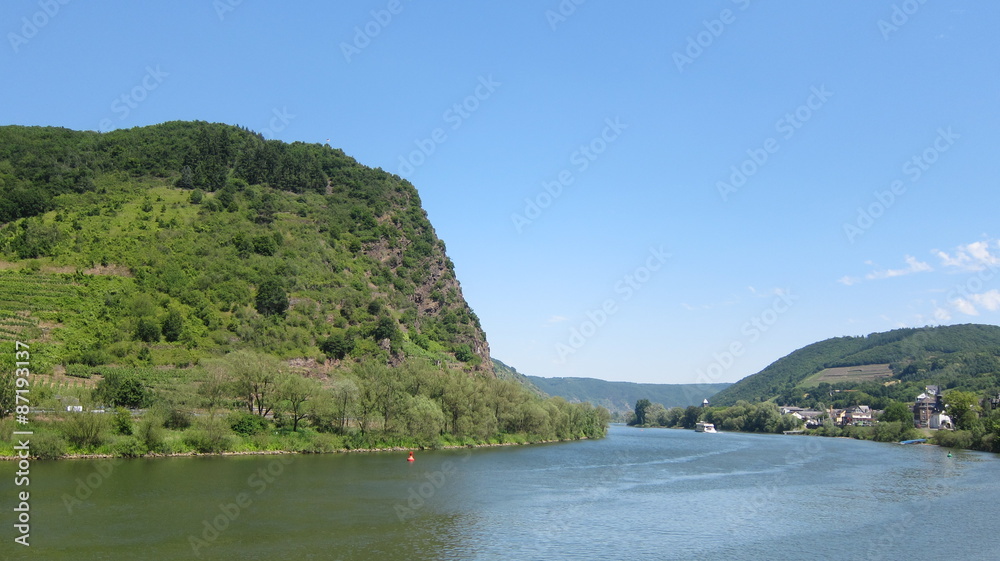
(557, 319)
(975, 256)
(966, 307)
(989, 300)
(848, 280)
(913, 266)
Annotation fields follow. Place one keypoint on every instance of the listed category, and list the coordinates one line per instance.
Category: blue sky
(665, 192)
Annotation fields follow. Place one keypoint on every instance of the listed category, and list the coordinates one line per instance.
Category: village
(929, 412)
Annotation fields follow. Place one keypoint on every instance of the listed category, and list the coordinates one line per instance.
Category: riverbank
(193, 453)
(890, 433)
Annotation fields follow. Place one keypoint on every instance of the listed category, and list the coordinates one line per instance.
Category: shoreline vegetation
(192, 453)
(248, 402)
(974, 433)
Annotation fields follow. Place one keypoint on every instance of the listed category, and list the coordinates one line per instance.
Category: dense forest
(154, 258)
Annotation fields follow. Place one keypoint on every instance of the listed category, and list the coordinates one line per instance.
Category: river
(638, 494)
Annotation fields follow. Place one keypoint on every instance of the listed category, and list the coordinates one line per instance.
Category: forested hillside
(506, 372)
(620, 397)
(295, 249)
(192, 269)
(965, 357)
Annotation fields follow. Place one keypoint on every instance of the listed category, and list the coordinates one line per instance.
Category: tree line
(253, 401)
(742, 417)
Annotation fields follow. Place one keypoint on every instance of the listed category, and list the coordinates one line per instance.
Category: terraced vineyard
(31, 304)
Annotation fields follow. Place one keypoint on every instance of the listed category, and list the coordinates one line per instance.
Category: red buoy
(410, 459)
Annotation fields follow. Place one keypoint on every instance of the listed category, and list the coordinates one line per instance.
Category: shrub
(953, 439)
(464, 353)
(123, 421)
(48, 446)
(128, 447)
(85, 429)
(177, 419)
(247, 424)
(150, 433)
(94, 357)
(210, 437)
(325, 443)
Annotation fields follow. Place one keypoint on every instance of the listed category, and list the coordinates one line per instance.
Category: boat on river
(704, 427)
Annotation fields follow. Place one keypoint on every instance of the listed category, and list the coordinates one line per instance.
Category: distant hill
(505, 372)
(877, 368)
(620, 397)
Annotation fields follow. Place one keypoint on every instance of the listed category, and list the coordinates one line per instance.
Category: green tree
(337, 345)
(146, 329)
(123, 389)
(345, 396)
(963, 408)
(640, 411)
(422, 418)
(271, 299)
(386, 328)
(255, 379)
(35, 239)
(897, 412)
(186, 180)
(173, 325)
(294, 393)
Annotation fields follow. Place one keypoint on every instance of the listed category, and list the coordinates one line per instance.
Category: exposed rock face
(438, 294)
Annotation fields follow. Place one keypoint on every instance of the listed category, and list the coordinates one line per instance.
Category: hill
(225, 232)
(248, 294)
(620, 397)
(877, 368)
(505, 372)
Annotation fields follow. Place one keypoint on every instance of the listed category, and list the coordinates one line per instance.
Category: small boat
(914, 441)
(704, 427)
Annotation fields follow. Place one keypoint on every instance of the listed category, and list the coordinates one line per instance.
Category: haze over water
(664, 494)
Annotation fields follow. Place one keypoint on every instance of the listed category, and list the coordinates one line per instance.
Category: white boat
(704, 427)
